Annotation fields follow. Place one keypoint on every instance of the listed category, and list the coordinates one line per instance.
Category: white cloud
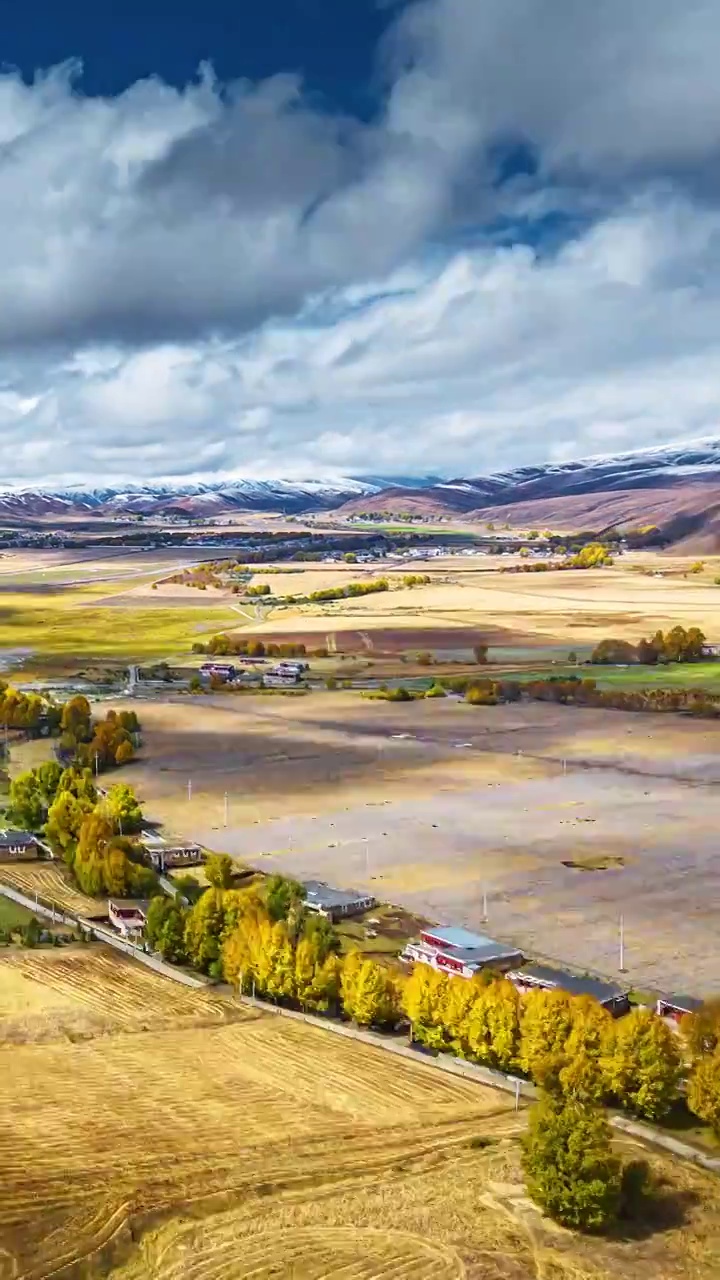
(217, 280)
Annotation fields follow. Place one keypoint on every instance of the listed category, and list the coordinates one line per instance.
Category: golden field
(52, 885)
(209, 1141)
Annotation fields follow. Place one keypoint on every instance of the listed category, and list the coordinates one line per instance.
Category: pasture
(435, 805)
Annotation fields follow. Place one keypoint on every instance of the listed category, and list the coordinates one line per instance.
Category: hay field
(52, 886)
(569, 607)
(101, 1134)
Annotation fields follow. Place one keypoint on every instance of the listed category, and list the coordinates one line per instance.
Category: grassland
(12, 915)
(705, 675)
(158, 1133)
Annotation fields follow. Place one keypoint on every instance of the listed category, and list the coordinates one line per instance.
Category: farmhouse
(17, 845)
(334, 904)
(222, 670)
(280, 676)
(675, 1007)
(540, 977)
(162, 853)
(458, 951)
(129, 918)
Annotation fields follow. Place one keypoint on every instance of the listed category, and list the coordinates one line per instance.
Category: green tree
(219, 868)
(124, 808)
(569, 1166)
(204, 925)
(48, 775)
(27, 802)
(282, 895)
(644, 1065)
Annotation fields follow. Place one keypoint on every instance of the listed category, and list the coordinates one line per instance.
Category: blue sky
(306, 239)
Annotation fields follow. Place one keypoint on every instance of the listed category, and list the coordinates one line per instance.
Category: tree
(581, 1075)
(27, 802)
(164, 929)
(124, 808)
(569, 1167)
(701, 1030)
(545, 1027)
(493, 1025)
(89, 862)
(423, 1000)
(75, 718)
(643, 1066)
(48, 775)
(352, 965)
(375, 999)
(219, 869)
(480, 653)
(204, 925)
(703, 1095)
(124, 752)
(282, 895)
(65, 818)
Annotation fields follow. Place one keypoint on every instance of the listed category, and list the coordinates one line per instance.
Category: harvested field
(53, 887)
(120, 1130)
(434, 804)
(91, 989)
(571, 607)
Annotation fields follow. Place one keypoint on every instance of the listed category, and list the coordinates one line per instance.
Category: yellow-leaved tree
(493, 1025)
(423, 1001)
(590, 1038)
(352, 965)
(375, 1000)
(704, 1090)
(545, 1026)
(643, 1066)
(460, 995)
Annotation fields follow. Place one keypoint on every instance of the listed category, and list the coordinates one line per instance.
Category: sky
(387, 237)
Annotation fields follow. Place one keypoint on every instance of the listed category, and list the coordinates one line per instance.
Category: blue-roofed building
(460, 952)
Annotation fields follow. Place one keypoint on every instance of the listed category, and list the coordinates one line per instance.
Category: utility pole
(97, 770)
(622, 944)
(485, 909)
(189, 788)
(226, 809)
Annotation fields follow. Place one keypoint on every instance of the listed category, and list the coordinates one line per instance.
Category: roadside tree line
(262, 941)
(676, 645)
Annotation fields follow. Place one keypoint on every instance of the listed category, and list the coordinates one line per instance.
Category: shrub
(570, 1170)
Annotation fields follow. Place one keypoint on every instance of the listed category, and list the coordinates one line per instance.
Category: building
(540, 977)
(459, 952)
(277, 679)
(163, 854)
(292, 666)
(335, 904)
(129, 918)
(221, 670)
(17, 845)
(675, 1007)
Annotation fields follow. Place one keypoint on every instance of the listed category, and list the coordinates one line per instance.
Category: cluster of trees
(96, 744)
(702, 1035)
(576, 691)
(352, 589)
(416, 579)
(261, 589)
(569, 1044)
(235, 646)
(92, 834)
(26, 710)
(676, 645)
(594, 555)
(202, 577)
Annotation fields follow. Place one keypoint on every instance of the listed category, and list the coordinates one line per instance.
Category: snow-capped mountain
(662, 484)
(191, 499)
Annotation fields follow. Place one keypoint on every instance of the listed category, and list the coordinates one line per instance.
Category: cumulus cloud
(227, 279)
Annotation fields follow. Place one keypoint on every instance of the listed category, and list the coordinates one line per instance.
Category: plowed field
(52, 887)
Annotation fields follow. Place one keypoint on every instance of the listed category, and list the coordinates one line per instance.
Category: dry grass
(119, 1129)
(53, 887)
(573, 608)
(224, 1144)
